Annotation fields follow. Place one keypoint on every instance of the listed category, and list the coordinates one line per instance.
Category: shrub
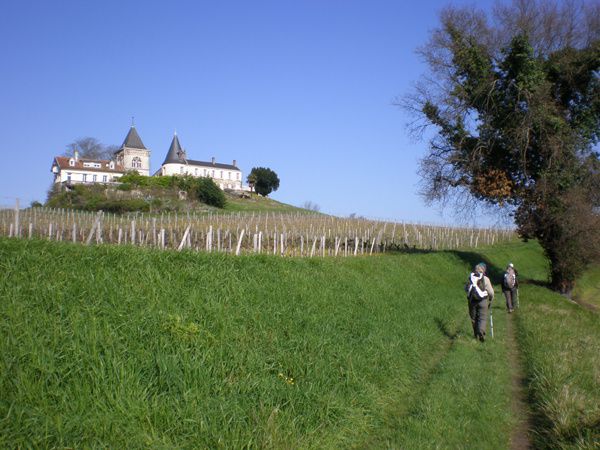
(206, 190)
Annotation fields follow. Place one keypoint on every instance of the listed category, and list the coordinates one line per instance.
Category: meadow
(128, 347)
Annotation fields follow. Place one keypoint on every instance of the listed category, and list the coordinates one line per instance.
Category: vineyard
(285, 234)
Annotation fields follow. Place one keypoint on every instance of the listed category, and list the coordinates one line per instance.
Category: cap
(510, 265)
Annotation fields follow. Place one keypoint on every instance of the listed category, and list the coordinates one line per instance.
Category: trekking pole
(517, 297)
(491, 322)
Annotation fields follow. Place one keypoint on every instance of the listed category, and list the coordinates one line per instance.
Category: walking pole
(491, 322)
(517, 297)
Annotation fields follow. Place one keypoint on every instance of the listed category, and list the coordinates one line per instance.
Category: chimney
(234, 163)
(213, 160)
(76, 155)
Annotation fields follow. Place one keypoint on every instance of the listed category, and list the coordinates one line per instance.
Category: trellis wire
(284, 234)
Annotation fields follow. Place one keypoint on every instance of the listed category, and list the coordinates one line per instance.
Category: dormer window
(112, 164)
(71, 162)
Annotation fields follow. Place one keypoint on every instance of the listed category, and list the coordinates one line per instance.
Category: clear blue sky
(303, 87)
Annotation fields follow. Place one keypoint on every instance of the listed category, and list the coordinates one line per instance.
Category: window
(221, 174)
(229, 175)
(94, 178)
(68, 177)
(204, 172)
(238, 175)
(136, 162)
(84, 177)
(71, 162)
(112, 165)
(196, 171)
(104, 178)
(212, 173)
(181, 170)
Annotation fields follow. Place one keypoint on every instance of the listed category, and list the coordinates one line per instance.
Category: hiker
(510, 286)
(480, 294)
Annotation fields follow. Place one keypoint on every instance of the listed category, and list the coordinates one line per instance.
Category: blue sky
(304, 87)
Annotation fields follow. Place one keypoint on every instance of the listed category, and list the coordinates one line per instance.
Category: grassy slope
(124, 347)
(561, 343)
(588, 287)
(259, 204)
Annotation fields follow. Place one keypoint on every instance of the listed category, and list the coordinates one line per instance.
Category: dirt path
(519, 438)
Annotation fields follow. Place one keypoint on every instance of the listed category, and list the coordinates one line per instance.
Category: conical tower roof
(133, 140)
(175, 153)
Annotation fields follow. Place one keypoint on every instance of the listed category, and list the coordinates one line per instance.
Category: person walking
(480, 294)
(509, 287)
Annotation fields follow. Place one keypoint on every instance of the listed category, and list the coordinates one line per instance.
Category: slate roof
(175, 154)
(133, 140)
(210, 164)
(63, 163)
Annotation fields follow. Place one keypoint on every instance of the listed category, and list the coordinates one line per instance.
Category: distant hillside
(173, 194)
(259, 204)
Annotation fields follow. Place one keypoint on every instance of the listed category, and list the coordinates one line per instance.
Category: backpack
(509, 279)
(476, 287)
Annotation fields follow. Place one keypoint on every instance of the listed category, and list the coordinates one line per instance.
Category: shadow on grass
(405, 249)
(496, 274)
(443, 327)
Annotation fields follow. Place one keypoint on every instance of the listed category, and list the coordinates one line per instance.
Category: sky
(304, 87)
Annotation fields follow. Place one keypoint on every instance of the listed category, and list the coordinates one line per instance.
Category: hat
(510, 265)
(480, 267)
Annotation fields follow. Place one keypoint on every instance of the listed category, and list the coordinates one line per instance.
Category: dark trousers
(478, 311)
(511, 298)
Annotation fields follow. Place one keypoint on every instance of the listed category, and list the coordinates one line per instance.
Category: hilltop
(165, 194)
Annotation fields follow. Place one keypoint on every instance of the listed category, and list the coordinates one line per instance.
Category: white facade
(76, 170)
(225, 178)
(134, 156)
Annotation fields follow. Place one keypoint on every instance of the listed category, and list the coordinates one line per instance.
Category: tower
(133, 155)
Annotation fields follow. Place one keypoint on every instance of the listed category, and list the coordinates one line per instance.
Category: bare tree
(311, 206)
(90, 148)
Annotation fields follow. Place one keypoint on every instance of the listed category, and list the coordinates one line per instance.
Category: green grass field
(256, 203)
(125, 348)
(588, 287)
(560, 343)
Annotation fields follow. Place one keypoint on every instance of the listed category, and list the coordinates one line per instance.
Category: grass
(560, 342)
(587, 289)
(256, 203)
(126, 347)
(122, 347)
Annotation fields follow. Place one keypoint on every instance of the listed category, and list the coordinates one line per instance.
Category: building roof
(63, 163)
(217, 165)
(133, 140)
(175, 154)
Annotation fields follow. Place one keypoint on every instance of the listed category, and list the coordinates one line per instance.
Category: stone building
(134, 156)
(226, 176)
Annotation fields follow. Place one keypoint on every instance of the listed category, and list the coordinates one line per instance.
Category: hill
(257, 203)
(127, 347)
(162, 194)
